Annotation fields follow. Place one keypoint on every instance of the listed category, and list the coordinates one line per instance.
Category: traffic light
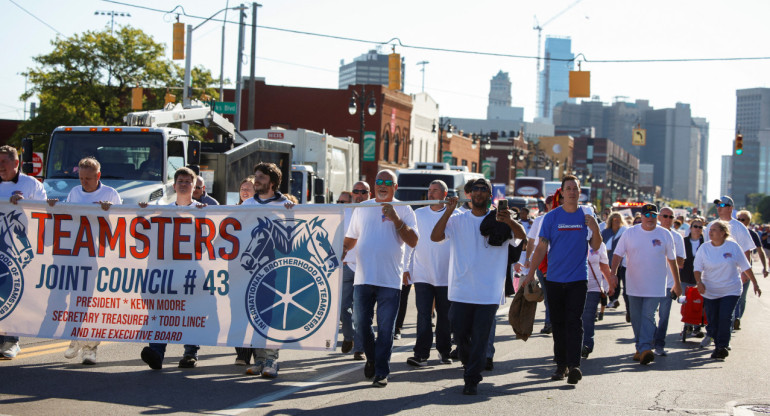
(169, 98)
(178, 45)
(738, 144)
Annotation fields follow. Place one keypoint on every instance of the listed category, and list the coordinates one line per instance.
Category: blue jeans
(740, 307)
(387, 300)
(425, 294)
(471, 323)
(642, 311)
(719, 313)
(189, 350)
(664, 310)
(346, 307)
(541, 277)
(8, 338)
(589, 315)
(567, 302)
(491, 341)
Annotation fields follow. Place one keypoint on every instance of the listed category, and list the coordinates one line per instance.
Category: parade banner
(228, 276)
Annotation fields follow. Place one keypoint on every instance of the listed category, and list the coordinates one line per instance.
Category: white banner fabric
(226, 276)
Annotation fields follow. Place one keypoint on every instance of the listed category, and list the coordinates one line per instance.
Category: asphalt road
(42, 382)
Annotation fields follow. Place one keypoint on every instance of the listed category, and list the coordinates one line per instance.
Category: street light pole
(359, 100)
(444, 124)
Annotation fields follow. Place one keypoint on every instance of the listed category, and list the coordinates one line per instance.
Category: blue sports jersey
(568, 235)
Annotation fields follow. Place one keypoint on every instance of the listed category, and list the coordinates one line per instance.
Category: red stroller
(693, 312)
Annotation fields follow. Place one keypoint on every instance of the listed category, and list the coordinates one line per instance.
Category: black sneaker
(152, 358)
(369, 369)
(737, 324)
(574, 375)
(628, 317)
(188, 362)
(358, 356)
(601, 316)
(470, 389)
(380, 381)
(546, 329)
(347, 346)
(444, 359)
(490, 365)
(585, 352)
(559, 374)
(454, 354)
(417, 362)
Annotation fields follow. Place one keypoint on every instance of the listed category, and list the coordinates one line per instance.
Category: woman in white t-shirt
(718, 268)
(598, 285)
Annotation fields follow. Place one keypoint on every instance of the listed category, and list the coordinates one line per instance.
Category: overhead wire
(397, 41)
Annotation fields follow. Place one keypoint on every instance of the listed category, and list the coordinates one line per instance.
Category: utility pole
(423, 63)
(252, 72)
(238, 83)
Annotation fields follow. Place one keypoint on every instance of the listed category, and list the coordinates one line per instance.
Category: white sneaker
(89, 355)
(73, 350)
(10, 349)
(705, 342)
(271, 369)
(661, 352)
(256, 369)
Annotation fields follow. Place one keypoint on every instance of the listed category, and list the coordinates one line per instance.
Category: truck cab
(138, 162)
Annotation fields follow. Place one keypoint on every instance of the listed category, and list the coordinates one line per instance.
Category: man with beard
(350, 339)
(267, 179)
(380, 236)
(476, 274)
(565, 234)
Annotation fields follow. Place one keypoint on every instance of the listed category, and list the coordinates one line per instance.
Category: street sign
(370, 146)
(639, 137)
(37, 163)
(447, 157)
(224, 107)
(486, 168)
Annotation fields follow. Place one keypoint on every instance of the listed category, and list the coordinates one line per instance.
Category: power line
(36, 18)
(398, 41)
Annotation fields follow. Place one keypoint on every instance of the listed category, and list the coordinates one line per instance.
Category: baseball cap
(649, 208)
(724, 200)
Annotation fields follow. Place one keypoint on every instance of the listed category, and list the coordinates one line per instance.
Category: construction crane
(539, 29)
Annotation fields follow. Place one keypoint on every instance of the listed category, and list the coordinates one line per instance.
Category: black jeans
(425, 294)
(567, 301)
(471, 324)
(403, 303)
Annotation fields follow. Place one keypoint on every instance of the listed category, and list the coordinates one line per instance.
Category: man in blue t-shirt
(565, 234)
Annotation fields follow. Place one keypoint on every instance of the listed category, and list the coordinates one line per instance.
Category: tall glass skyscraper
(554, 78)
(751, 170)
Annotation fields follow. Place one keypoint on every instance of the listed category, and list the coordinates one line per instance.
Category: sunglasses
(339, 201)
(479, 189)
(722, 205)
(380, 182)
(743, 219)
(666, 216)
(360, 191)
(198, 187)
(697, 226)
(651, 214)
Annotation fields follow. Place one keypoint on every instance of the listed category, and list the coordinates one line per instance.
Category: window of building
(396, 145)
(474, 167)
(386, 146)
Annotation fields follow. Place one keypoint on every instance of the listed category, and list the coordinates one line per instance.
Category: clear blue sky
(600, 30)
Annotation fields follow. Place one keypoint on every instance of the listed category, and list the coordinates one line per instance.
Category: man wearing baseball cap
(649, 251)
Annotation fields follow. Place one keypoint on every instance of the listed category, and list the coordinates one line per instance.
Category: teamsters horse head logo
(15, 254)
(290, 261)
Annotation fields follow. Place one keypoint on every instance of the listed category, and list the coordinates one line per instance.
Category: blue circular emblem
(288, 299)
(11, 285)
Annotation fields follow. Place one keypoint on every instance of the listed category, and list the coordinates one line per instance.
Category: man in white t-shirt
(429, 273)
(267, 180)
(379, 233)
(90, 191)
(350, 340)
(476, 274)
(649, 252)
(152, 355)
(15, 186)
(666, 218)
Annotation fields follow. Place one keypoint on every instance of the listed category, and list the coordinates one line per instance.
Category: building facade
(751, 170)
(726, 184)
(369, 68)
(423, 143)
(553, 85)
(604, 165)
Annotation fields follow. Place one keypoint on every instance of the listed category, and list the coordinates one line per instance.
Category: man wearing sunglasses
(666, 218)
(476, 276)
(649, 252)
(379, 233)
(350, 339)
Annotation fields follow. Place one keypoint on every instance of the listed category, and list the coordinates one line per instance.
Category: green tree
(763, 209)
(752, 201)
(678, 203)
(87, 80)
